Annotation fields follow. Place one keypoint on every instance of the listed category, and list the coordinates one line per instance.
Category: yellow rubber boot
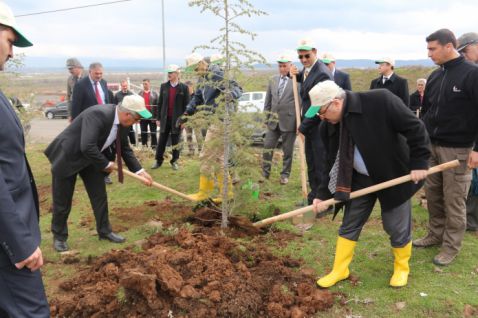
(400, 265)
(343, 256)
(230, 190)
(206, 186)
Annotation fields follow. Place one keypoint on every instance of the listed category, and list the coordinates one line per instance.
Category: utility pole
(164, 42)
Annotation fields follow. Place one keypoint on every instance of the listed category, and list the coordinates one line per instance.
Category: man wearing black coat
(340, 77)
(370, 137)
(78, 150)
(173, 99)
(314, 71)
(416, 99)
(391, 81)
(21, 288)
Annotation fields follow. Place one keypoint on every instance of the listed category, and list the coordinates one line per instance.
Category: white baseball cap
(388, 60)
(136, 104)
(306, 44)
(8, 19)
(172, 68)
(284, 58)
(320, 95)
(327, 58)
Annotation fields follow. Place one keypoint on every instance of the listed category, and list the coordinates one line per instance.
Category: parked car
(60, 110)
(252, 102)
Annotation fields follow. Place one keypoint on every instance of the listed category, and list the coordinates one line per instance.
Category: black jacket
(19, 211)
(317, 74)
(84, 96)
(181, 101)
(79, 145)
(415, 102)
(396, 84)
(153, 101)
(342, 79)
(120, 95)
(450, 109)
(391, 140)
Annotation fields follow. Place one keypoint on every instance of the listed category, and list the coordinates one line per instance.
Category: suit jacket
(19, 209)
(319, 73)
(280, 111)
(70, 84)
(342, 79)
(396, 84)
(391, 140)
(153, 101)
(181, 101)
(79, 145)
(415, 102)
(84, 96)
(120, 95)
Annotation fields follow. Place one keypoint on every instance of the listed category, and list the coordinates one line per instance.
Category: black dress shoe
(113, 237)
(60, 246)
(156, 165)
(108, 180)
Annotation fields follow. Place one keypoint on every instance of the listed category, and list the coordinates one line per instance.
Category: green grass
(448, 289)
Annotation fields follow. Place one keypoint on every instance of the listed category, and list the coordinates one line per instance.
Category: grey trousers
(396, 222)
(270, 143)
(446, 195)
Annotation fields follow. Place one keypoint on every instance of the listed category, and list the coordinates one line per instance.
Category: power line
(73, 8)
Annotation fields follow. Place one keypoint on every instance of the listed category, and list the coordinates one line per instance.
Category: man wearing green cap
(314, 71)
(340, 77)
(21, 288)
(361, 154)
(78, 150)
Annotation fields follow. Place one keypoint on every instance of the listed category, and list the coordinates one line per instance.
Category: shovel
(159, 186)
(358, 193)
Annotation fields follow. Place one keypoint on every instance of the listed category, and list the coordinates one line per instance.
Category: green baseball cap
(306, 45)
(136, 104)
(8, 19)
(320, 95)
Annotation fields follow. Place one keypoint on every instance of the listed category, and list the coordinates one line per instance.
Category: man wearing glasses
(314, 71)
(360, 154)
(78, 150)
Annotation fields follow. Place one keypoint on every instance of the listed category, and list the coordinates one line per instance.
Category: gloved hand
(181, 121)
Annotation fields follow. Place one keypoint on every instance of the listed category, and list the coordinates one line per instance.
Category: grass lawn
(431, 292)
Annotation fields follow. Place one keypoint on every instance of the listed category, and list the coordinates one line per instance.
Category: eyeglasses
(304, 56)
(324, 109)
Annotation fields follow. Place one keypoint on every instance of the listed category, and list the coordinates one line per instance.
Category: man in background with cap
(279, 108)
(21, 288)
(369, 137)
(340, 77)
(209, 87)
(391, 81)
(314, 71)
(78, 150)
(468, 47)
(450, 114)
(76, 73)
(173, 99)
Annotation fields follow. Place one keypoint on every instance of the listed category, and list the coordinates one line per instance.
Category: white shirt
(100, 89)
(307, 69)
(174, 84)
(112, 137)
(359, 164)
(385, 78)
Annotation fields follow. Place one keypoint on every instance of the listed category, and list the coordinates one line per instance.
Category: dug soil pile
(192, 275)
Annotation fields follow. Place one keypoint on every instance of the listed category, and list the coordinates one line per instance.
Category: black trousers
(163, 140)
(21, 293)
(397, 222)
(144, 124)
(63, 188)
(132, 136)
(315, 158)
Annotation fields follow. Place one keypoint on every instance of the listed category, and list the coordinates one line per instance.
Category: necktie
(333, 174)
(306, 73)
(385, 79)
(118, 156)
(97, 93)
(282, 83)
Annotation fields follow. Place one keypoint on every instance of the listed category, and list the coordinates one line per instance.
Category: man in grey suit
(279, 108)
(78, 150)
(76, 73)
(21, 288)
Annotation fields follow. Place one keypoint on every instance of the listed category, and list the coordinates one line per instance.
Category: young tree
(236, 56)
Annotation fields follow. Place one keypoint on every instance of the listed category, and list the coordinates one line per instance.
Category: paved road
(45, 130)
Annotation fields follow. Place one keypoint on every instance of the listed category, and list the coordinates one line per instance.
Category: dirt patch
(44, 197)
(192, 275)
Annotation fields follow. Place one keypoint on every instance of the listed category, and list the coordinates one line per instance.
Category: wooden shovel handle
(358, 193)
(158, 185)
(303, 178)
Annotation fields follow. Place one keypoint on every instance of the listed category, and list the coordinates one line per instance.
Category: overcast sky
(350, 29)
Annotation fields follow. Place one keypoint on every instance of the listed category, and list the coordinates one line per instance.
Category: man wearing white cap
(76, 73)
(340, 77)
(468, 46)
(279, 108)
(314, 71)
(209, 87)
(361, 154)
(173, 98)
(21, 288)
(78, 150)
(391, 81)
